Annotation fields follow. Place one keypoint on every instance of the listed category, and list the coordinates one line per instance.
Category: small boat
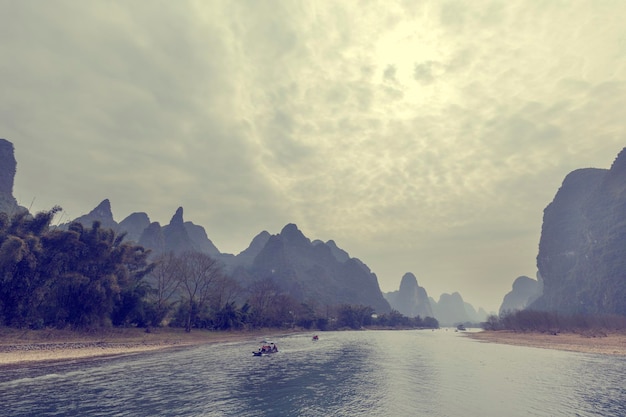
(461, 327)
(316, 337)
(267, 348)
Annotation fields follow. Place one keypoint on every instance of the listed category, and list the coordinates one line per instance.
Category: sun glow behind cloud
(420, 137)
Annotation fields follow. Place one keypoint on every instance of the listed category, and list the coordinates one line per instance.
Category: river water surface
(365, 373)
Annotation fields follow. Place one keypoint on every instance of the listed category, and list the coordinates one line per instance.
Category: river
(361, 373)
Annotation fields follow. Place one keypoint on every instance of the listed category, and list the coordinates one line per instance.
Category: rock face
(311, 272)
(525, 291)
(245, 258)
(306, 270)
(410, 300)
(450, 309)
(134, 225)
(582, 250)
(152, 238)
(8, 166)
(200, 240)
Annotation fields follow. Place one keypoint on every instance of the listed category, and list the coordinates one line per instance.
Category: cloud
(406, 132)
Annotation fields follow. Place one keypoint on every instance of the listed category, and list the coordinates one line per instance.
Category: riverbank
(600, 343)
(30, 346)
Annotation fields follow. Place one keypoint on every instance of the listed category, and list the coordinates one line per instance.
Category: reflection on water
(369, 373)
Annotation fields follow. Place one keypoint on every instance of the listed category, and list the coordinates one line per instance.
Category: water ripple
(370, 373)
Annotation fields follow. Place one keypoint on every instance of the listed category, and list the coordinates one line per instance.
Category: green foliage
(553, 322)
(395, 319)
(354, 316)
(81, 277)
(87, 277)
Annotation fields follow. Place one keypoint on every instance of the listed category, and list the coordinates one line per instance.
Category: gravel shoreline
(605, 344)
(73, 345)
(15, 355)
(19, 353)
(28, 348)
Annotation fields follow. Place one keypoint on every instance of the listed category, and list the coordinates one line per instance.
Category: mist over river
(361, 373)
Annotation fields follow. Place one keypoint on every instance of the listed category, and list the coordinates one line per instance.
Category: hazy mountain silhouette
(581, 260)
(310, 271)
(525, 290)
(410, 300)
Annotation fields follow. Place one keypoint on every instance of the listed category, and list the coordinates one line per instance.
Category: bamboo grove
(89, 277)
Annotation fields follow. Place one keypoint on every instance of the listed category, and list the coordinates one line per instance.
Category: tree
(97, 276)
(263, 295)
(197, 274)
(23, 277)
(354, 316)
(164, 286)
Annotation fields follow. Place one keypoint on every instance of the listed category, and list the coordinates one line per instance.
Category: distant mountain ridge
(306, 270)
(312, 271)
(412, 300)
(581, 261)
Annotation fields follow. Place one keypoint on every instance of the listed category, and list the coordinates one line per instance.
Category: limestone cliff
(311, 271)
(410, 300)
(582, 250)
(8, 166)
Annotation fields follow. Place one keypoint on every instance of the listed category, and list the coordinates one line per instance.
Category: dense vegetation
(554, 322)
(89, 277)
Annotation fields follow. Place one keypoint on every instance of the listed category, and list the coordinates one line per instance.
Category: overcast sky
(421, 136)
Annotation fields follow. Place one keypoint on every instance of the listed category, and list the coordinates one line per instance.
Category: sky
(420, 136)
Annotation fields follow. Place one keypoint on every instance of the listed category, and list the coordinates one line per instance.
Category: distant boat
(461, 327)
(316, 337)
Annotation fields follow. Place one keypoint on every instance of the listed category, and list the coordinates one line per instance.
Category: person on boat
(274, 348)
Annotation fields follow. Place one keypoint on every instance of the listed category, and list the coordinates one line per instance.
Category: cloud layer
(420, 137)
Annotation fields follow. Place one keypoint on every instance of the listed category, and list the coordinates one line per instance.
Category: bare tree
(263, 295)
(226, 291)
(197, 275)
(165, 284)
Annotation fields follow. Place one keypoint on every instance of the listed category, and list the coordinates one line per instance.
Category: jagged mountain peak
(103, 210)
(102, 213)
(177, 218)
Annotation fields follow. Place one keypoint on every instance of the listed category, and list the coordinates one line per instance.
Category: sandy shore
(17, 348)
(606, 344)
